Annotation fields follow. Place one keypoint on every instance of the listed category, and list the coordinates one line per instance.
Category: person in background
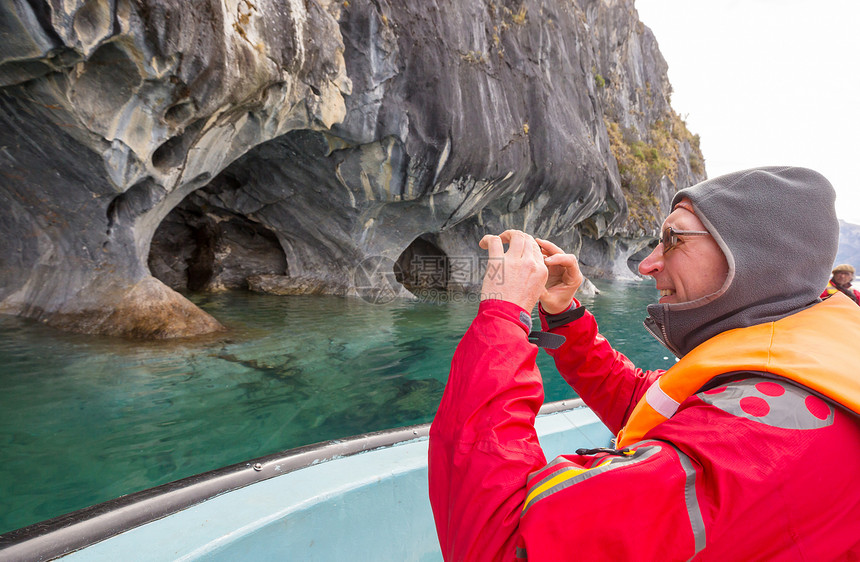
(748, 448)
(843, 274)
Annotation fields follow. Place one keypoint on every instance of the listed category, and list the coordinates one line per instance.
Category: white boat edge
(364, 494)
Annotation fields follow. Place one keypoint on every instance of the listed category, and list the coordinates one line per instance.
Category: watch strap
(546, 340)
(566, 317)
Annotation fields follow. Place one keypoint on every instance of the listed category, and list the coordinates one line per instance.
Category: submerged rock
(157, 146)
(286, 285)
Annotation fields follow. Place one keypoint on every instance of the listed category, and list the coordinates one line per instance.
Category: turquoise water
(86, 419)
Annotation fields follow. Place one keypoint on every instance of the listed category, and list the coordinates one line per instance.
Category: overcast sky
(767, 82)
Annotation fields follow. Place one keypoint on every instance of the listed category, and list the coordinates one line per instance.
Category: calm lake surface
(86, 419)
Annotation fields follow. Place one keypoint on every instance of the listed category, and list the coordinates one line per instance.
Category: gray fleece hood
(778, 229)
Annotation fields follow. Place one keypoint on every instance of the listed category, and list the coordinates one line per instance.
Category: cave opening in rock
(423, 267)
(212, 250)
(635, 259)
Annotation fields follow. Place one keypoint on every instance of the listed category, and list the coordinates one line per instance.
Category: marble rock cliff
(149, 147)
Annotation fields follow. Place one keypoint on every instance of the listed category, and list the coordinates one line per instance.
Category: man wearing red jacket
(843, 274)
(747, 449)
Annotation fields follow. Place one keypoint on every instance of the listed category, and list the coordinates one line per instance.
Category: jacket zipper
(662, 337)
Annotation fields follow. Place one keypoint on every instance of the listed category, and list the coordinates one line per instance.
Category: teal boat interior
(329, 501)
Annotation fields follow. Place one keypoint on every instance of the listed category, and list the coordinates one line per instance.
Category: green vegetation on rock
(643, 163)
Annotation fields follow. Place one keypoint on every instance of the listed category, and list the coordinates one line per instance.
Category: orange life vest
(813, 348)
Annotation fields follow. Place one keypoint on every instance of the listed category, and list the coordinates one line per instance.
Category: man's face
(843, 277)
(696, 267)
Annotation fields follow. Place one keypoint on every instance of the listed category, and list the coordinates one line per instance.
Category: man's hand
(522, 275)
(564, 278)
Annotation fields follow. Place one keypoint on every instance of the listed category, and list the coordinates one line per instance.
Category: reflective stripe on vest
(811, 347)
(660, 401)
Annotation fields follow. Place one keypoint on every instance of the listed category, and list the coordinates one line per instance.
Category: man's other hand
(564, 278)
(521, 275)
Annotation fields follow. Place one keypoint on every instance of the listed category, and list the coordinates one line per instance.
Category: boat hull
(360, 497)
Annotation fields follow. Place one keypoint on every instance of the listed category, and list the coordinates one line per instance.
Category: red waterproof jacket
(750, 469)
(832, 289)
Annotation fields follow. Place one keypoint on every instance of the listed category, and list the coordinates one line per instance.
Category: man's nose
(653, 264)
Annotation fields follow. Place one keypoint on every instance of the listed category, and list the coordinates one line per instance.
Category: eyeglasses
(672, 237)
